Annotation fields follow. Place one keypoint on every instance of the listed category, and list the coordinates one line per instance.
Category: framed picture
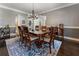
(30, 23)
(23, 21)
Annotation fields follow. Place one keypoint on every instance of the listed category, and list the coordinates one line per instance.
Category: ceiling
(38, 7)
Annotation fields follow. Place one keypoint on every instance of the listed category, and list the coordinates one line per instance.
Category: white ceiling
(38, 7)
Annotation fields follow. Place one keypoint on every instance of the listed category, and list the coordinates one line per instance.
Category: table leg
(39, 44)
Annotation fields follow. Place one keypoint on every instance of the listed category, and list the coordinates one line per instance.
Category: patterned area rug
(16, 48)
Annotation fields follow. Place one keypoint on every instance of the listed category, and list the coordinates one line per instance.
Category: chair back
(43, 28)
(20, 32)
(51, 33)
(37, 28)
(26, 33)
(61, 31)
(56, 30)
(25, 29)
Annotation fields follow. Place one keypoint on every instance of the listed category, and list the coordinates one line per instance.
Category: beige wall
(69, 16)
(8, 17)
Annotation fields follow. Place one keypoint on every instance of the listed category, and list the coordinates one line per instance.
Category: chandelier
(33, 15)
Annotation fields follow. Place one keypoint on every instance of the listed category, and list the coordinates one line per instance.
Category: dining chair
(50, 39)
(37, 28)
(61, 31)
(43, 28)
(28, 39)
(21, 34)
(55, 31)
(46, 34)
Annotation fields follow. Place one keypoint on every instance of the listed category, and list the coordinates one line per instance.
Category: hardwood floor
(3, 50)
(68, 48)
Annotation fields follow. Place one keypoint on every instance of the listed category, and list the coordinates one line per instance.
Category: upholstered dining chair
(37, 28)
(21, 34)
(28, 39)
(50, 39)
(43, 28)
(61, 31)
(55, 31)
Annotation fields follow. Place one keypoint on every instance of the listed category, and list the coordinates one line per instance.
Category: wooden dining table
(40, 39)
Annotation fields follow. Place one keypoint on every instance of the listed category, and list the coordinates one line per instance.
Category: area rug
(16, 48)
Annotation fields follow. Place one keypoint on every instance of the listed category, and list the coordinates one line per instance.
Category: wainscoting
(71, 33)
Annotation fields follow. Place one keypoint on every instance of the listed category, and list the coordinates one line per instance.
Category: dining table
(40, 35)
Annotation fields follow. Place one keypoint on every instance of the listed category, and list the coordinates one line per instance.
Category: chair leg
(21, 39)
(43, 38)
(53, 44)
(24, 43)
(50, 47)
(29, 45)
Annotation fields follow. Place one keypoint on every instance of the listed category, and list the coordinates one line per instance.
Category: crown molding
(67, 5)
(12, 9)
(16, 10)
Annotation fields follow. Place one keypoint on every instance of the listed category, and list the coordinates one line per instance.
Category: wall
(9, 17)
(69, 16)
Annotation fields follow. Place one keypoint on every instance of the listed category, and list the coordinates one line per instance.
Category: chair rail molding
(70, 38)
(72, 27)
